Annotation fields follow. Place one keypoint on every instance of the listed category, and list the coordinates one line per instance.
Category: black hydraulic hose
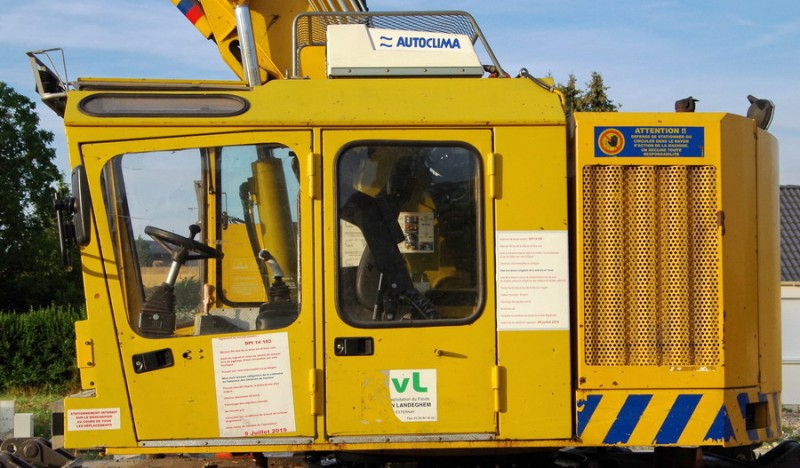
(252, 235)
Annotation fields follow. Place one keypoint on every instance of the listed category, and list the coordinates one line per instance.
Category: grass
(36, 402)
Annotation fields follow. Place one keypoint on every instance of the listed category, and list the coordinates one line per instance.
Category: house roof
(790, 233)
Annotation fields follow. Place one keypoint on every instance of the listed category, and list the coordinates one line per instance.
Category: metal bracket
(50, 84)
(35, 451)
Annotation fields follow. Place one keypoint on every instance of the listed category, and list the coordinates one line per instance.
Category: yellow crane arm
(271, 24)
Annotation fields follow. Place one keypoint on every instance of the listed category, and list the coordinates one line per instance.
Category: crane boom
(271, 22)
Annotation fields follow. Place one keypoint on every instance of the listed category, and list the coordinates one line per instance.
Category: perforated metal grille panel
(651, 266)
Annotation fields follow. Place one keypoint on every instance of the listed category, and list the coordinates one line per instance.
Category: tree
(30, 262)
(593, 99)
(572, 96)
(143, 252)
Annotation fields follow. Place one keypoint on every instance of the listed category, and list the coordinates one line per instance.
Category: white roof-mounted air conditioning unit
(356, 50)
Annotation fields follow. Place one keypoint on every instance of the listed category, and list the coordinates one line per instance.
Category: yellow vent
(651, 263)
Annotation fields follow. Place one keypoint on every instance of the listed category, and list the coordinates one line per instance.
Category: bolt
(30, 450)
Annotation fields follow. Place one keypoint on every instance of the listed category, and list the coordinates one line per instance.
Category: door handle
(355, 346)
(153, 360)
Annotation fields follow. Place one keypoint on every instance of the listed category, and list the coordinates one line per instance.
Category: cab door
(409, 313)
(227, 355)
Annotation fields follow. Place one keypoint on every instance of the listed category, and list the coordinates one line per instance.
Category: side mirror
(78, 206)
(82, 205)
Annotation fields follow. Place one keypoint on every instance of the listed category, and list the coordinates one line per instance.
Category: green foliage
(30, 260)
(143, 252)
(593, 99)
(187, 294)
(38, 348)
(187, 298)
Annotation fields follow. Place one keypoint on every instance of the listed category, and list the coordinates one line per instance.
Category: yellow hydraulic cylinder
(274, 214)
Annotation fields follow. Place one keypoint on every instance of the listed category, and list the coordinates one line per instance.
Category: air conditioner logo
(419, 42)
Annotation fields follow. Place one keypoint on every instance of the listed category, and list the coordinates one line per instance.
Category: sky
(649, 52)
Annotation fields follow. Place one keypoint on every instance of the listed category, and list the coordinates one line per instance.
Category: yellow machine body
(632, 304)
(426, 263)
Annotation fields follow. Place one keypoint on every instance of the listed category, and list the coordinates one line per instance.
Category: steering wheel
(166, 239)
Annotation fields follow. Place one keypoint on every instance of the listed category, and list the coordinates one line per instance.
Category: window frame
(480, 240)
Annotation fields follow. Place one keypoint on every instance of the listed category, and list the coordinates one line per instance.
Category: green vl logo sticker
(413, 394)
(401, 386)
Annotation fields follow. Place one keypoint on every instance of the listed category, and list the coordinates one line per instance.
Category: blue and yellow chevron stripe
(668, 417)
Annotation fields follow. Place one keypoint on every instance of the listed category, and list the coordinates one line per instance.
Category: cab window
(205, 239)
(408, 245)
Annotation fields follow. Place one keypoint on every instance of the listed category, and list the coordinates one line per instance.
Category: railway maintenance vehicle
(377, 246)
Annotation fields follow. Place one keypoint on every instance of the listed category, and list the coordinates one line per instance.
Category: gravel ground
(791, 424)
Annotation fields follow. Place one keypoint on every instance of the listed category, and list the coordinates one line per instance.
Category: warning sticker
(351, 244)
(254, 385)
(99, 419)
(532, 280)
(682, 142)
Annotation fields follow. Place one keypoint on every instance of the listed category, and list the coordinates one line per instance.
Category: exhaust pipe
(247, 42)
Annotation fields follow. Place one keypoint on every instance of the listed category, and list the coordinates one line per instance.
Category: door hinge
(498, 377)
(313, 165)
(314, 379)
(492, 175)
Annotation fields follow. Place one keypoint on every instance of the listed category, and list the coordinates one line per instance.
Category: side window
(408, 243)
(205, 238)
(258, 197)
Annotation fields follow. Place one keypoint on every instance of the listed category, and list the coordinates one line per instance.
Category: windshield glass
(206, 238)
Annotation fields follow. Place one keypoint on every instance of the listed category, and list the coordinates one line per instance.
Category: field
(155, 275)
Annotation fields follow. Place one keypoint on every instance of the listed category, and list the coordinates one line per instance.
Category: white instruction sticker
(254, 385)
(98, 419)
(532, 280)
(413, 394)
(417, 231)
(352, 244)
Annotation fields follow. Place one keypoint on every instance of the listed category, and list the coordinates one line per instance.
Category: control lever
(280, 310)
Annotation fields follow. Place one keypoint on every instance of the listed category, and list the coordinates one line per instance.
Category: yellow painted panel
(676, 418)
(101, 372)
(180, 401)
(536, 401)
(312, 62)
(740, 250)
(452, 362)
(531, 195)
(666, 250)
(241, 280)
(395, 102)
(769, 307)
(531, 167)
